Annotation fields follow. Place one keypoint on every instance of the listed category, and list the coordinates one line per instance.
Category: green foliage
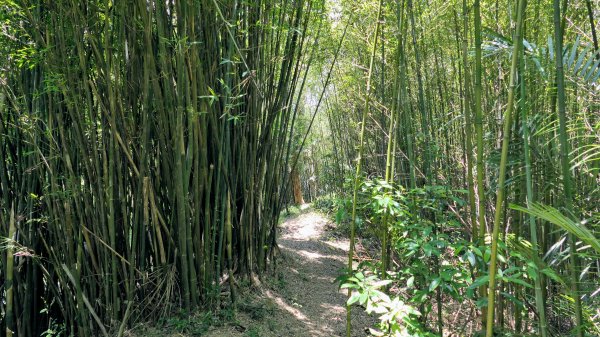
(252, 332)
(554, 216)
(580, 60)
(430, 244)
(433, 251)
(55, 329)
(325, 203)
(289, 212)
(195, 325)
(396, 318)
(340, 209)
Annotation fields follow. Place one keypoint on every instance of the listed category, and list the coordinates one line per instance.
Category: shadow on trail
(304, 301)
(311, 262)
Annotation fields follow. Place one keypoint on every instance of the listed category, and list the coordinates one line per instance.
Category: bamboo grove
(145, 148)
(148, 147)
(488, 109)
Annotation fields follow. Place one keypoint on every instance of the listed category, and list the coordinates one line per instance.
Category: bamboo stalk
(467, 106)
(8, 282)
(539, 296)
(500, 194)
(565, 163)
(357, 174)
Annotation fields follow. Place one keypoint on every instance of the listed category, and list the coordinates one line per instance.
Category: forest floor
(306, 302)
(301, 298)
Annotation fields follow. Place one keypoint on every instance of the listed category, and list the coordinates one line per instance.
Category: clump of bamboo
(143, 144)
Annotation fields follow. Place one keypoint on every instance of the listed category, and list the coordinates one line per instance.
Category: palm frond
(557, 218)
(581, 61)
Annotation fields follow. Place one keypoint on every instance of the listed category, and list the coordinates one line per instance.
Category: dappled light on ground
(308, 303)
(308, 226)
(318, 261)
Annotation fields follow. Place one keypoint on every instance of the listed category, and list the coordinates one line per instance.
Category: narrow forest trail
(305, 300)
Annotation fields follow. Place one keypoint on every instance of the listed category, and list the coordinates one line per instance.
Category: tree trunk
(297, 187)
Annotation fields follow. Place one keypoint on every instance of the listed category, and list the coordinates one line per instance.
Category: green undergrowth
(196, 324)
(292, 211)
(338, 210)
(435, 263)
(251, 316)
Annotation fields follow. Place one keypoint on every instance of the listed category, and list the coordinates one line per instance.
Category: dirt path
(304, 301)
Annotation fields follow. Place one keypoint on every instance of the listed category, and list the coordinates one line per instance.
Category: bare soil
(304, 301)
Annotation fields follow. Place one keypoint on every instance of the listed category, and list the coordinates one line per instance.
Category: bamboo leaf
(555, 217)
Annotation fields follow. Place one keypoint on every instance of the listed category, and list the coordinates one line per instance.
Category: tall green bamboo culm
(391, 144)
(8, 282)
(357, 174)
(539, 296)
(467, 111)
(479, 160)
(565, 151)
(477, 92)
(500, 194)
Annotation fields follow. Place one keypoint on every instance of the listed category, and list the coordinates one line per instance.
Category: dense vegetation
(464, 138)
(143, 146)
(148, 147)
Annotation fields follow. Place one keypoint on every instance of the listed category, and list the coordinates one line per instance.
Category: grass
(252, 332)
(251, 309)
(197, 324)
(292, 211)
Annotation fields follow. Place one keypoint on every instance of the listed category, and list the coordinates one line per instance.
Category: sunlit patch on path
(318, 261)
(309, 304)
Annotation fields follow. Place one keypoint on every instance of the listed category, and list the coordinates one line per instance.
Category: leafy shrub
(325, 203)
(396, 318)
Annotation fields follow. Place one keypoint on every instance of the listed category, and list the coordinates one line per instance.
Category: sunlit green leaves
(554, 216)
(395, 316)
